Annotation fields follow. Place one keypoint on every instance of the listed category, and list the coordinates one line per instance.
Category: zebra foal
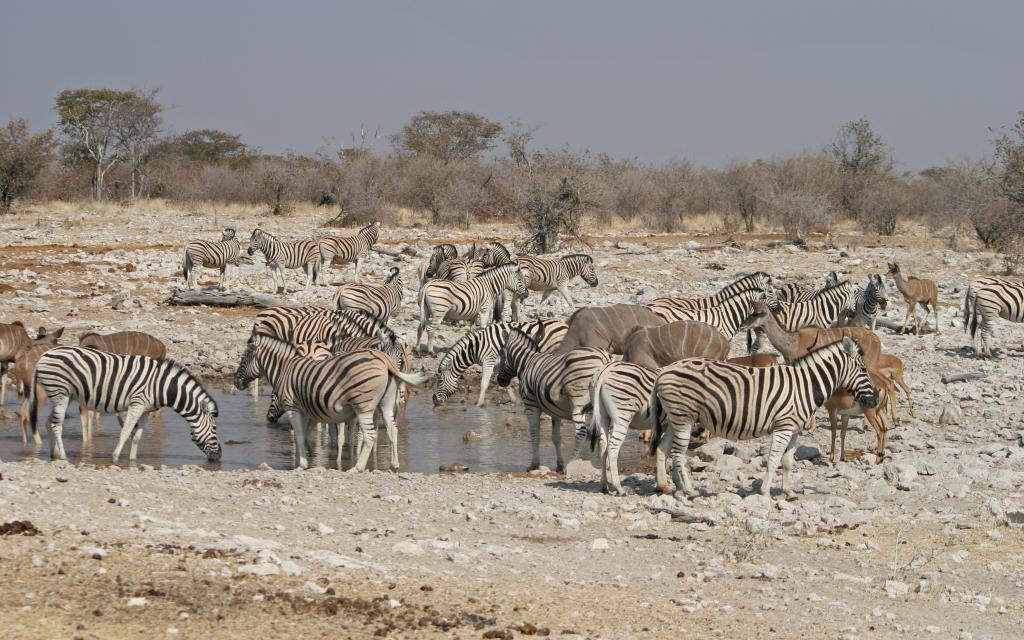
(342, 250)
(286, 254)
(211, 255)
(548, 275)
(742, 403)
(129, 385)
(380, 300)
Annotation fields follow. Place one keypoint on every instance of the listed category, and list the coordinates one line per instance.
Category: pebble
(408, 548)
(599, 544)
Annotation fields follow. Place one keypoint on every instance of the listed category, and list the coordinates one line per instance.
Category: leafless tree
(22, 157)
(137, 129)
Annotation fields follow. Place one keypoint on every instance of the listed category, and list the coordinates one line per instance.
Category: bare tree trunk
(97, 183)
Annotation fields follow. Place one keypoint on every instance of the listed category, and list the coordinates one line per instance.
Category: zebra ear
(210, 406)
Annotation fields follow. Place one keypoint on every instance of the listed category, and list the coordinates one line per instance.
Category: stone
(599, 544)
(289, 568)
(582, 470)
(895, 588)
(323, 529)
(899, 472)
(951, 415)
(807, 452)
(408, 548)
(261, 569)
(756, 525)
(137, 602)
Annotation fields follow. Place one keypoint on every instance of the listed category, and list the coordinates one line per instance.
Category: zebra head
(586, 267)
(392, 275)
(204, 428)
(275, 410)
(447, 382)
(853, 374)
(832, 278)
(227, 234)
(257, 241)
(516, 348)
(518, 284)
(876, 289)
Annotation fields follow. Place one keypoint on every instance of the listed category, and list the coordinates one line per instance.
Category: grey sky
(711, 82)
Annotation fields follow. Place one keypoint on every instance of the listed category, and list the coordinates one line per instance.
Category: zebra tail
(655, 407)
(33, 411)
(970, 312)
(187, 266)
(596, 405)
(412, 379)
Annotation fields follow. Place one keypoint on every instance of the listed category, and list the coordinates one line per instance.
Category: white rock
(137, 602)
(289, 568)
(261, 569)
(408, 548)
(895, 588)
(599, 544)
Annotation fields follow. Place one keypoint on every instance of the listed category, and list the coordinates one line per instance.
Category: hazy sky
(708, 81)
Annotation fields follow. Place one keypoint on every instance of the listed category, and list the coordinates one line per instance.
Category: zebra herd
(661, 367)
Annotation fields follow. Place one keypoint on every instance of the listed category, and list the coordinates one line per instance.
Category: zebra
(125, 343)
(342, 250)
(555, 384)
(131, 385)
(989, 298)
(286, 254)
(548, 275)
(620, 400)
(438, 255)
(742, 403)
(211, 255)
(495, 254)
(381, 301)
(441, 299)
(868, 300)
(799, 292)
(726, 316)
(482, 347)
(458, 270)
(335, 390)
(668, 307)
(827, 308)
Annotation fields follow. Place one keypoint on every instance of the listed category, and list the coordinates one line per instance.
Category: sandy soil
(185, 552)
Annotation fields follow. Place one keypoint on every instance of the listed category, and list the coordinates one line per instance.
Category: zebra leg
(787, 462)
(254, 388)
(55, 425)
(564, 290)
(782, 437)
(842, 438)
(661, 462)
(131, 417)
(581, 431)
(680, 444)
(299, 437)
(389, 408)
(611, 436)
(833, 423)
(279, 278)
(339, 436)
(223, 277)
(533, 417)
(515, 308)
(136, 436)
(368, 431)
(556, 439)
(486, 369)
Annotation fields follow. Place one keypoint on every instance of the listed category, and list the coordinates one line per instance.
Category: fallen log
(962, 377)
(184, 297)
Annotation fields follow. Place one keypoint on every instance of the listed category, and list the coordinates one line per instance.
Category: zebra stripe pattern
(438, 255)
(668, 307)
(482, 348)
(317, 324)
(555, 384)
(987, 299)
(381, 301)
(441, 299)
(495, 254)
(824, 309)
(335, 390)
(727, 316)
(458, 270)
(114, 383)
(548, 275)
(868, 300)
(799, 292)
(211, 255)
(286, 254)
(742, 403)
(342, 250)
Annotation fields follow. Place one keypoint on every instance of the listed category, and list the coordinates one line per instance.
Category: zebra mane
(829, 288)
(818, 355)
(513, 331)
(583, 256)
(173, 366)
(494, 270)
(274, 342)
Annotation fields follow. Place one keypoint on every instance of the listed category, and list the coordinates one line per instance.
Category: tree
(744, 186)
(89, 118)
(1009, 162)
(137, 126)
(210, 146)
(859, 153)
(882, 202)
(447, 136)
(22, 157)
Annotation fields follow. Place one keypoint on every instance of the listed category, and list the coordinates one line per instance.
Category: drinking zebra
(211, 255)
(868, 300)
(482, 348)
(380, 300)
(549, 275)
(286, 254)
(343, 250)
(442, 299)
(132, 385)
(742, 403)
(335, 390)
(987, 299)
(668, 307)
(124, 343)
(555, 384)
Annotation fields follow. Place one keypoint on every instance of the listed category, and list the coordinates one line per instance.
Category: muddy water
(428, 437)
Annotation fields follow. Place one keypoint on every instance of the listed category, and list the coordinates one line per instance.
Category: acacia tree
(447, 136)
(22, 157)
(859, 154)
(89, 119)
(210, 146)
(137, 127)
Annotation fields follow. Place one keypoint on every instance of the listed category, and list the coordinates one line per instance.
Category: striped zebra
(555, 384)
(620, 397)
(827, 308)
(286, 254)
(742, 403)
(342, 250)
(549, 275)
(350, 386)
(211, 255)
(495, 254)
(458, 270)
(473, 300)
(668, 307)
(130, 385)
(380, 300)
(438, 255)
(989, 298)
(799, 292)
(726, 316)
(868, 300)
(482, 348)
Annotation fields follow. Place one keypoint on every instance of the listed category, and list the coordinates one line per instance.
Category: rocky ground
(929, 544)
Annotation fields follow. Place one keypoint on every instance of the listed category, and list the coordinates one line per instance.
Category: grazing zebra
(799, 292)
(554, 274)
(335, 390)
(134, 385)
(380, 300)
(441, 299)
(286, 254)
(555, 384)
(868, 300)
(342, 250)
(14, 338)
(727, 316)
(211, 255)
(620, 396)
(742, 403)
(987, 299)
(667, 307)
(482, 348)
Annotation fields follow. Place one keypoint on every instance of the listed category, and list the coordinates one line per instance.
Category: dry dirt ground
(929, 544)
